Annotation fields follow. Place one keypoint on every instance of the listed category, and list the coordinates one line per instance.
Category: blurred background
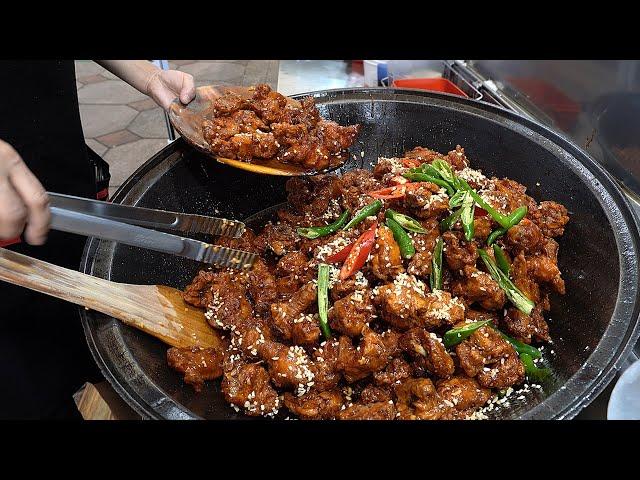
(594, 102)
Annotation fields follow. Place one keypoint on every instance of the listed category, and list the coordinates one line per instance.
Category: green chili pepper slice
(495, 235)
(519, 346)
(444, 170)
(435, 279)
(405, 221)
(372, 209)
(522, 347)
(468, 209)
(426, 168)
(501, 259)
(533, 372)
(456, 199)
(423, 177)
(402, 238)
(514, 218)
(517, 215)
(448, 222)
(503, 220)
(323, 299)
(315, 232)
(456, 335)
(519, 300)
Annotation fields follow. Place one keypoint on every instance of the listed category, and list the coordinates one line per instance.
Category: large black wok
(594, 325)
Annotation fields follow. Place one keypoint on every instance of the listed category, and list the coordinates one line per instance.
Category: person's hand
(165, 85)
(23, 200)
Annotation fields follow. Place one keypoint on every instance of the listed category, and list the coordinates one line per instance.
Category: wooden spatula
(155, 309)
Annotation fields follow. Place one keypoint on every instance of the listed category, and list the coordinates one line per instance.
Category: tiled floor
(125, 127)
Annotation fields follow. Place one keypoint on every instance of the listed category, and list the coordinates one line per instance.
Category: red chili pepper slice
(340, 256)
(359, 253)
(389, 193)
(396, 191)
(410, 162)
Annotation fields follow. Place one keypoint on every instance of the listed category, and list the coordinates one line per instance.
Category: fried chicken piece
(289, 366)
(369, 411)
(422, 154)
(513, 195)
(525, 327)
(336, 138)
(387, 168)
(417, 399)
(374, 352)
(197, 364)
(482, 226)
(223, 128)
(280, 238)
(248, 335)
(229, 306)
(228, 103)
(239, 136)
(307, 114)
(427, 201)
(373, 394)
(247, 385)
(458, 252)
(544, 269)
(457, 158)
(343, 289)
(404, 307)
(292, 263)
(490, 358)
(325, 368)
(269, 105)
(351, 314)
(478, 286)
(356, 184)
(247, 242)
(394, 373)
(523, 279)
(420, 263)
(551, 217)
(463, 392)
(386, 262)
(248, 146)
(324, 146)
(315, 405)
(312, 194)
(197, 293)
(427, 349)
(289, 320)
(524, 236)
(262, 286)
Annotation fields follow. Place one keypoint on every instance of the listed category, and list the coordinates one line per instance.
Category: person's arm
(161, 85)
(23, 199)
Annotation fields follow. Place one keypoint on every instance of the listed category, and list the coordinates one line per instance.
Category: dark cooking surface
(178, 178)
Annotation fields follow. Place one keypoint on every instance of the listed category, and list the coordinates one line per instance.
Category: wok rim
(597, 370)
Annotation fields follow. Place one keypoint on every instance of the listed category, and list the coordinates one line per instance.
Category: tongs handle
(147, 217)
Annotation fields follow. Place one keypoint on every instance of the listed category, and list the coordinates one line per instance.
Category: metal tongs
(133, 226)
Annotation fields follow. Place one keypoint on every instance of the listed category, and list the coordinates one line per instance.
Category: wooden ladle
(155, 309)
(187, 120)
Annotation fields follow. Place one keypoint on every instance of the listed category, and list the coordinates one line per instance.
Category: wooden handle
(155, 309)
(53, 280)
